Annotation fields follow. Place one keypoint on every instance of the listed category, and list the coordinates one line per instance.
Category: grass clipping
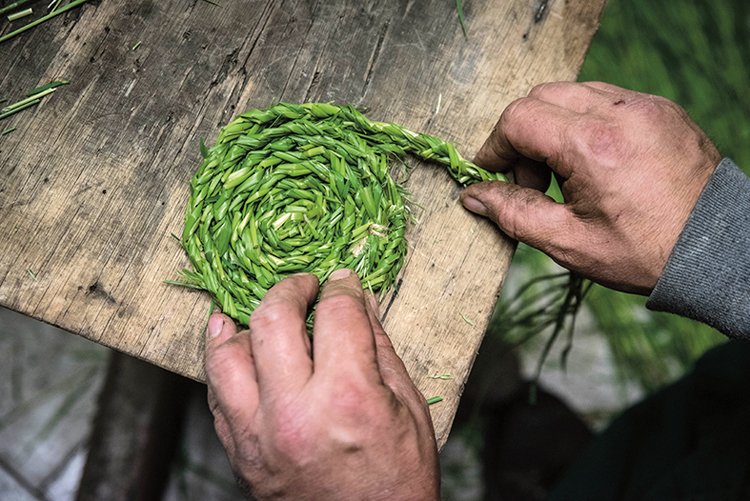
(302, 188)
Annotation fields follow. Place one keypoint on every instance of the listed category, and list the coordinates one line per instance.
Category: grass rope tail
(302, 188)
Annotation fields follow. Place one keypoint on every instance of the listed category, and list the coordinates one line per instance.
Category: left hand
(631, 167)
(338, 418)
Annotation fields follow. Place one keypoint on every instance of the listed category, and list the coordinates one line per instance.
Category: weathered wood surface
(95, 179)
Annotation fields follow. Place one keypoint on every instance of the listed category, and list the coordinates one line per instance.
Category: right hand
(631, 168)
(335, 418)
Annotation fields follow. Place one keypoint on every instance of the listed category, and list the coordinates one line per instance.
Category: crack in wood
(296, 56)
(254, 37)
(396, 288)
(291, 73)
(17, 203)
(265, 17)
(374, 58)
(407, 8)
(313, 83)
(99, 50)
(97, 290)
(541, 11)
(230, 62)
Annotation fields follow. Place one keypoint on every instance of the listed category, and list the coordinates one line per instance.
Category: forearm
(707, 277)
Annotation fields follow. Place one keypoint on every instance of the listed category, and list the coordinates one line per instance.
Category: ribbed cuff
(707, 277)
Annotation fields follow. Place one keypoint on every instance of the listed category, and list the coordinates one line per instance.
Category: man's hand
(338, 418)
(631, 168)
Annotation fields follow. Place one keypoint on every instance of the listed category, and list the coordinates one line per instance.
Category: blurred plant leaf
(691, 51)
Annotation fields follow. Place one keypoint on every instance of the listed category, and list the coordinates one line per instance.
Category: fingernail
(215, 326)
(340, 274)
(474, 205)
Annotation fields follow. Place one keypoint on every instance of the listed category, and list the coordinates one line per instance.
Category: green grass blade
(37, 22)
(4, 115)
(461, 20)
(23, 102)
(52, 85)
(12, 6)
(18, 15)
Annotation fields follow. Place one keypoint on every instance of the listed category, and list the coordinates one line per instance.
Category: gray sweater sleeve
(707, 277)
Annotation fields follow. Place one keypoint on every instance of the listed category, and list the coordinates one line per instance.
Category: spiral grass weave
(302, 188)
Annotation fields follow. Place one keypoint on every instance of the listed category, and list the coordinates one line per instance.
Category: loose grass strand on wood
(18, 15)
(33, 97)
(47, 17)
(12, 6)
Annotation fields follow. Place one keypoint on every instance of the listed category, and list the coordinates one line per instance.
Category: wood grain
(95, 179)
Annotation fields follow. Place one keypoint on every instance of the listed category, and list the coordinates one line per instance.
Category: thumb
(230, 371)
(524, 214)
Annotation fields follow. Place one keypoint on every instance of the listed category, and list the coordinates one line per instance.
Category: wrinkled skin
(631, 168)
(339, 418)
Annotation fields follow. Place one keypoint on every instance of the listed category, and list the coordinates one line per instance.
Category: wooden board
(95, 180)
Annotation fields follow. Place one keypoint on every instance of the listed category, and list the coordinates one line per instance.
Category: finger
(343, 341)
(532, 174)
(573, 96)
(279, 336)
(221, 424)
(392, 368)
(528, 128)
(230, 370)
(213, 402)
(522, 213)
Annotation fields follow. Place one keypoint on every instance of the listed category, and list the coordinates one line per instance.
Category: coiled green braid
(302, 188)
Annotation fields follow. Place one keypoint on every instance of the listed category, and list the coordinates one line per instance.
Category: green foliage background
(693, 52)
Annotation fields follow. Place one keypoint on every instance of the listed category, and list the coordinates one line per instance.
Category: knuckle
(270, 315)
(539, 91)
(597, 83)
(600, 138)
(290, 438)
(657, 107)
(298, 436)
(661, 101)
(351, 393)
(339, 302)
(219, 360)
(673, 108)
(512, 112)
(352, 401)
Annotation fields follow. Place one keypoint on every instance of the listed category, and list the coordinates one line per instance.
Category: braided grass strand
(302, 188)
